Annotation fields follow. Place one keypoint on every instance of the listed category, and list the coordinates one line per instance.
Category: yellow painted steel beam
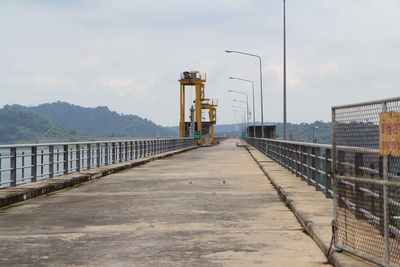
(199, 86)
(182, 112)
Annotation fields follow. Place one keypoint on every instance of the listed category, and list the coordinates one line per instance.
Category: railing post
(106, 154)
(13, 166)
(89, 156)
(66, 160)
(51, 161)
(113, 156)
(129, 150)
(124, 151)
(98, 155)
(385, 163)
(328, 169)
(309, 164)
(33, 164)
(341, 186)
(317, 167)
(78, 158)
(22, 166)
(158, 146)
(303, 160)
(120, 152)
(298, 160)
(358, 194)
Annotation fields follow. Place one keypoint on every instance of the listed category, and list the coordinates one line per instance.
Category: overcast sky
(128, 54)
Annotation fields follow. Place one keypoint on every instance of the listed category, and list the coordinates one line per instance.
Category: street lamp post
(261, 91)
(243, 109)
(236, 121)
(284, 71)
(254, 107)
(247, 102)
(247, 112)
(242, 112)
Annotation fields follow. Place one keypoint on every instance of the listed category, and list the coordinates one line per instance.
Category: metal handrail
(22, 163)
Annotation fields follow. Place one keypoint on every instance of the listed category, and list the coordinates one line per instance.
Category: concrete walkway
(211, 206)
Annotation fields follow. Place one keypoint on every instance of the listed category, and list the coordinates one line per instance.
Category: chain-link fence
(366, 162)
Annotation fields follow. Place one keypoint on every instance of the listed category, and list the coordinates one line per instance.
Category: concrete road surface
(211, 206)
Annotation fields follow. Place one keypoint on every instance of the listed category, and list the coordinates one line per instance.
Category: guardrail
(310, 161)
(26, 163)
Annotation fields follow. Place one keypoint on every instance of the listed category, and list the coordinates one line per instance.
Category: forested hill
(24, 126)
(97, 122)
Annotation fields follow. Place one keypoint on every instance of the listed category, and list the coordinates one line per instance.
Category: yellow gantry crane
(202, 131)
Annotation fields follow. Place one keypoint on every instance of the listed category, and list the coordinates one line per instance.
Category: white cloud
(128, 54)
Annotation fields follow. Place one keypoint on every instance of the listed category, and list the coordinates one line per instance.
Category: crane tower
(197, 127)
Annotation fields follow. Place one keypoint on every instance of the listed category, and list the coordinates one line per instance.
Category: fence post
(309, 163)
(385, 169)
(328, 168)
(120, 152)
(386, 210)
(106, 154)
(33, 164)
(303, 160)
(293, 158)
(113, 157)
(89, 156)
(66, 161)
(98, 155)
(317, 166)
(13, 166)
(51, 161)
(341, 188)
(78, 157)
(358, 194)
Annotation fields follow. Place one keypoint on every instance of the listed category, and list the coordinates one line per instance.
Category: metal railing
(26, 163)
(309, 161)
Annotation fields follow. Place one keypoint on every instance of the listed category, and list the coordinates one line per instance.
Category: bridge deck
(207, 207)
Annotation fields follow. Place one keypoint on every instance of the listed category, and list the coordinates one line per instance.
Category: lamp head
(230, 77)
(228, 51)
